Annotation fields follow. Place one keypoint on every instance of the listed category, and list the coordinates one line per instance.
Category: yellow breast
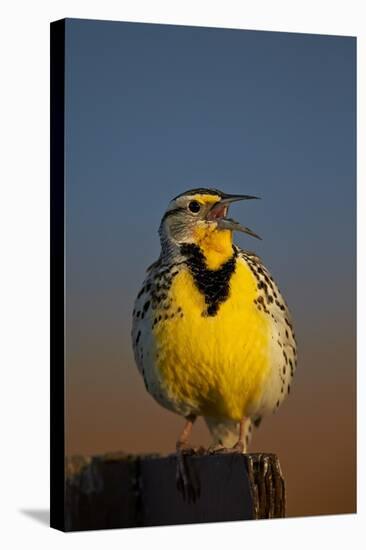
(217, 364)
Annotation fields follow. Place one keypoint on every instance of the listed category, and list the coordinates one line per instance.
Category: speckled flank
(283, 341)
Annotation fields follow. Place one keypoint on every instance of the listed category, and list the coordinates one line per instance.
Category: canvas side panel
(57, 130)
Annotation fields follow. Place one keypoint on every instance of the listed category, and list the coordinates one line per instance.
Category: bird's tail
(226, 432)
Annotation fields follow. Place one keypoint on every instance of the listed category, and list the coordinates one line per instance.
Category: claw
(239, 447)
(219, 449)
(186, 482)
(215, 449)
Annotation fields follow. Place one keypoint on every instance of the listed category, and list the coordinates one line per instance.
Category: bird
(212, 334)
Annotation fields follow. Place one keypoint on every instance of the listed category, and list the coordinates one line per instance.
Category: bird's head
(199, 217)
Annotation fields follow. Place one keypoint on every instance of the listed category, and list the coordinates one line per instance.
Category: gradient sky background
(152, 110)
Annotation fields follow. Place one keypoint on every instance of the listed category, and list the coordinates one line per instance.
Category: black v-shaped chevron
(214, 284)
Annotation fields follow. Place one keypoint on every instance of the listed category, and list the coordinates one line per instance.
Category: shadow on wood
(120, 490)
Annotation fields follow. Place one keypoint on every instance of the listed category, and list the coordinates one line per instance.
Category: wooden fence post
(118, 490)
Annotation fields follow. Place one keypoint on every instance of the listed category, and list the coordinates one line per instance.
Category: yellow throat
(216, 245)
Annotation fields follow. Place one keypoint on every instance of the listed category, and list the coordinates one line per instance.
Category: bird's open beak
(219, 210)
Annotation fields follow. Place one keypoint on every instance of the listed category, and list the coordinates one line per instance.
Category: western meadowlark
(212, 335)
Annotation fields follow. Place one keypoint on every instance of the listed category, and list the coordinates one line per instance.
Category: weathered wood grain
(119, 490)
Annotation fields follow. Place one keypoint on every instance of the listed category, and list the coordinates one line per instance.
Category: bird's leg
(182, 442)
(183, 479)
(240, 445)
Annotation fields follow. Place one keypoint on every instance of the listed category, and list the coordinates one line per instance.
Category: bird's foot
(186, 480)
(220, 449)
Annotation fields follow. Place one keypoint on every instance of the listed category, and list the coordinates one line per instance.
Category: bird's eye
(194, 206)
